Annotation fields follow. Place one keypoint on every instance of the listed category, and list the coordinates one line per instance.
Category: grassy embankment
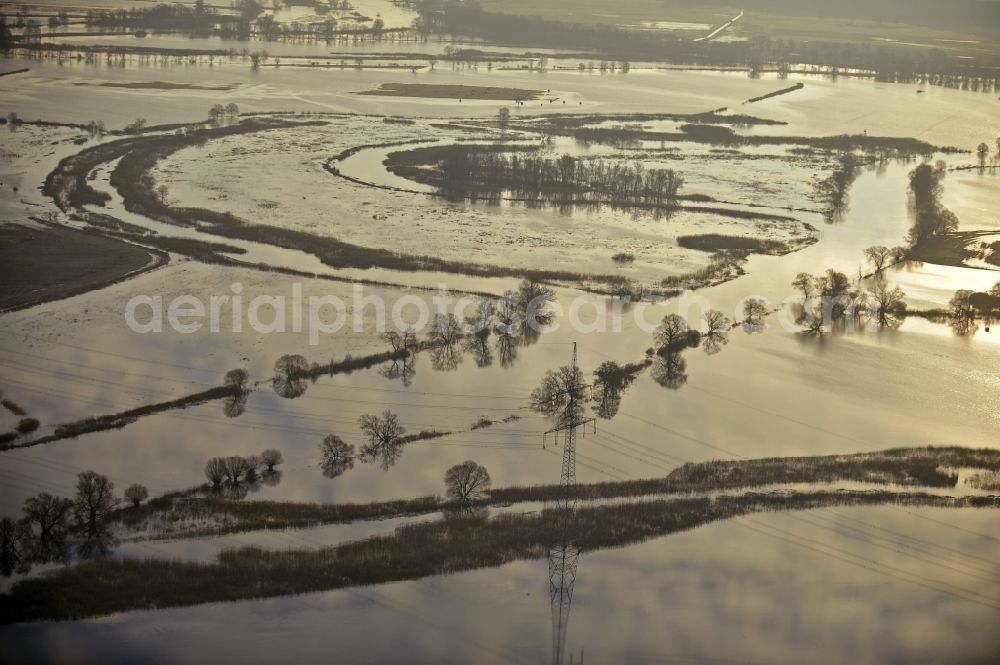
(122, 419)
(414, 551)
(908, 467)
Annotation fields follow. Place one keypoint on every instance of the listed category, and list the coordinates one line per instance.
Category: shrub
(271, 458)
(27, 425)
(13, 407)
(623, 257)
(467, 481)
(136, 494)
(215, 470)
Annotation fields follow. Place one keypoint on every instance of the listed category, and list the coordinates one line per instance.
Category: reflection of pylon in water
(563, 553)
(563, 560)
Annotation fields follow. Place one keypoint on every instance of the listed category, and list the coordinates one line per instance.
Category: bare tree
(995, 290)
(805, 283)
(50, 513)
(610, 381)
(467, 481)
(215, 470)
(135, 126)
(478, 328)
(671, 333)
(754, 309)
(394, 340)
(890, 304)
(252, 465)
(95, 499)
(235, 466)
(290, 372)
(216, 113)
(15, 537)
(503, 118)
(717, 322)
(407, 341)
(878, 255)
(717, 334)
(480, 321)
(446, 330)
(508, 314)
(336, 451)
(558, 388)
(961, 312)
(136, 494)
(834, 284)
(271, 458)
(236, 379)
(670, 371)
(236, 403)
(534, 300)
(380, 431)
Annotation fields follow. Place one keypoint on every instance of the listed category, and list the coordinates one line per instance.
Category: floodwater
(868, 585)
(858, 585)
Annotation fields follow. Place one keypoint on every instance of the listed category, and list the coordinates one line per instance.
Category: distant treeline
(195, 19)
(892, 63)
(977, 15)
(930, 217)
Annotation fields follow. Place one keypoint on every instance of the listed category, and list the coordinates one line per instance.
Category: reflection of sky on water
(823, 107)
(734, 591)
(829, 586)
(822, 395)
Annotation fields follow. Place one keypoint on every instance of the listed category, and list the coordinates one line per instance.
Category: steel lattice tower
(563, 553)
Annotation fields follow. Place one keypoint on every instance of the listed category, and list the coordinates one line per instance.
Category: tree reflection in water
(670, 370)
(290, 376)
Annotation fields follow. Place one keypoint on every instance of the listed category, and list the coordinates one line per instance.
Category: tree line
(237, 475)
(454, 18)
(930, 217)
(966, 306)
(558, 179)
(55, 529)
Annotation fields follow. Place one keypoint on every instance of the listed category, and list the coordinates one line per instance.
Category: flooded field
(299, 193)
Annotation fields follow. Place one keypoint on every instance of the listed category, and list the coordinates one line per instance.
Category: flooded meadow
(604, 530)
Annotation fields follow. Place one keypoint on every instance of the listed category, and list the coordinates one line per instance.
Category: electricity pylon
(563, 552)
